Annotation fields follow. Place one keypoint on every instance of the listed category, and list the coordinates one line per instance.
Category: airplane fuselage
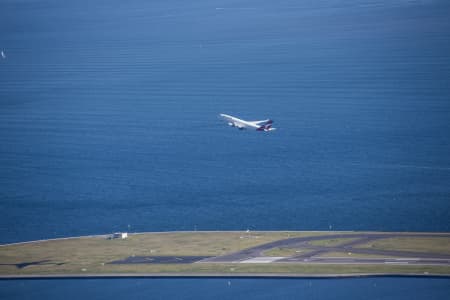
(263, 125)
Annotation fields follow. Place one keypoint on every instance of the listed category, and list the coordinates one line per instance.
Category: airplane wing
(228, 118)
(233, 121)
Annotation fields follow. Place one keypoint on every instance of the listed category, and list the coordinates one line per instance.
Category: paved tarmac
(312, 256)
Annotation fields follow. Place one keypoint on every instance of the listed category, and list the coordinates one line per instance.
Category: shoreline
(190, 231)
(225, 231)
(215, 276)
(230, 254)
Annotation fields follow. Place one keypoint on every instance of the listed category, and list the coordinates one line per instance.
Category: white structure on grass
(120, 235)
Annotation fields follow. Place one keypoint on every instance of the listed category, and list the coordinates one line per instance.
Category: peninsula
(231, 253)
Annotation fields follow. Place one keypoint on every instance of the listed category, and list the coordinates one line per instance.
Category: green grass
(277, 268)
(90, 255)
(91, 252)
(423, 244)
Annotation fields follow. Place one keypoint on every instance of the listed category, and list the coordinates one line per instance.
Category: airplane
(263, 125)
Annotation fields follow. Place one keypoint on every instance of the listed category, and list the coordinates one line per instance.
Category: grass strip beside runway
(94, 255)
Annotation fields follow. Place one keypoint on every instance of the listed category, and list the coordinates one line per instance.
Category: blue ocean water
(108, 116)
(108, 121)
(370, 289)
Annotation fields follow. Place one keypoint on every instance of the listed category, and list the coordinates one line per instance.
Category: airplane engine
(231, 124)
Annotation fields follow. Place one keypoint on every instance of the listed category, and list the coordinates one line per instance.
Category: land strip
(232, 254)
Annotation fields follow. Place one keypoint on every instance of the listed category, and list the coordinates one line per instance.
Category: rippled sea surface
(108, 116)
(369, 288)
(108, 122)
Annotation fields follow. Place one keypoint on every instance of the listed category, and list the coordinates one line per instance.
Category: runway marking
(261, 260)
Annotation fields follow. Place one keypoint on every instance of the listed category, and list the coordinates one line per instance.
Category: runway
(315, 254)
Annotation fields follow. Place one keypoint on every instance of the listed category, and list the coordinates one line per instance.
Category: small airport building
(120, 235)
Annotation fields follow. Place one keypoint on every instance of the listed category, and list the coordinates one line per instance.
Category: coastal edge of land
(269, 254)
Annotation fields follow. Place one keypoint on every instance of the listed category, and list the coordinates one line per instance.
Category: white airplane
(263, 125)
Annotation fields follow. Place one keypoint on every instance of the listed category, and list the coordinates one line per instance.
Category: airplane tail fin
(262, 122)
(267, 127)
